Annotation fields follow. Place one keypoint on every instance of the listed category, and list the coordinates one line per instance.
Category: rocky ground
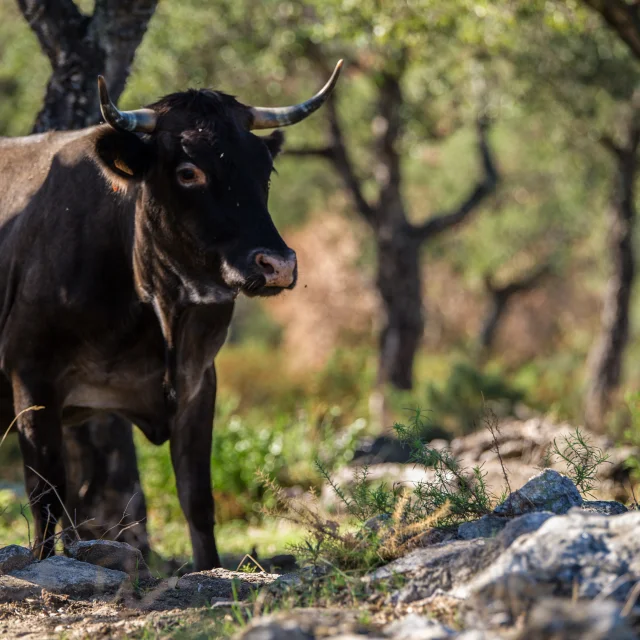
(545, 564)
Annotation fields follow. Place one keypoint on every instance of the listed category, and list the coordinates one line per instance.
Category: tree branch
(500, 298)
(321, 152)
(336, 150)
(336, 153)
(388, 128)
(79, 48)
(611, 145)
(525, 282)
(343, 164)
(622, 18)
(119, 27)
(487, 185)
(57, 25)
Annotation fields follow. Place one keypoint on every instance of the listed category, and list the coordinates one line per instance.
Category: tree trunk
(80, 48)
(399, 285)
(398, 241)
(497, 307)
(605, 360)
(102, 469)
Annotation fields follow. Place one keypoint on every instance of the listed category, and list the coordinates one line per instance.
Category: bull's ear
(123, 156)
(274, 142)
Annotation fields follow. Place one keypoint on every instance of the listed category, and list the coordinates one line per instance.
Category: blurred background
(463, 212)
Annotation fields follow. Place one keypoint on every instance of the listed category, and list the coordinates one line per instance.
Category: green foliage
(552, 79)
(582, 460)
(548, 73)
(632, 433)
(281, 445)
(384, 522)
(363, 500)
(462, 401)
(466, 495)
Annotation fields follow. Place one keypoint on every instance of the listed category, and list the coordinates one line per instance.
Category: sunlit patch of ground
(58, 617)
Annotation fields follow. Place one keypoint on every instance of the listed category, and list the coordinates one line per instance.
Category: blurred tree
(104, 491)
(392, 50)
(79, 47)
(623, 17)
(398, 241)
(501, 295)
(606, 358)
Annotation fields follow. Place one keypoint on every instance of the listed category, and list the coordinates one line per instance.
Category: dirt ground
(60, 617)
(159, 608)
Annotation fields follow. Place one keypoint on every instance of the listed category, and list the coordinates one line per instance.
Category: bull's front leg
(191, 440)
(40, 434)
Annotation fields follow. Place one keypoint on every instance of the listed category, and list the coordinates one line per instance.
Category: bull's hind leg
(40, 434)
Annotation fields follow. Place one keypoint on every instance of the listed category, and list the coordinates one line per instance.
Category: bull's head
(202, 225)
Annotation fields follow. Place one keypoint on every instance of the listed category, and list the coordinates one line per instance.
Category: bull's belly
(137, 396)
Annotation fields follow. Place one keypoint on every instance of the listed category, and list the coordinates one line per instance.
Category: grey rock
(109, 554)
(522, 525)
(589, 555)
(13, 558)
(276, 630)
(486, 527)
(301, 624)
(377, 522)
(357, 636)
(381, 449)
(548, 491)
(282, 563)
(608, 508)
(288, 581)
(417, 627)
(72, 577)
(556, 618)
(440, 567)
(14, 590)
(204, 587)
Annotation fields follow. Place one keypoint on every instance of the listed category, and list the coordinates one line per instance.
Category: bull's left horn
(143, 120)
(265, 118)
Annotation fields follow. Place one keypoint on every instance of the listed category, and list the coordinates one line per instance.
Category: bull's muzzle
(278, 270)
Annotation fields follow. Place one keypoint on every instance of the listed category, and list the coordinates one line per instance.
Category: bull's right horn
(268, 118)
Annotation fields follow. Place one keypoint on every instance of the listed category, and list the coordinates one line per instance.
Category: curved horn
(264, 118)
(138, 120)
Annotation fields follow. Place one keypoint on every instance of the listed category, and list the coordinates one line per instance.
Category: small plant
(465, 493)
(383, 522)
(582, 460)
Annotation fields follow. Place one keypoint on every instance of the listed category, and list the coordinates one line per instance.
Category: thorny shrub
(383, 522)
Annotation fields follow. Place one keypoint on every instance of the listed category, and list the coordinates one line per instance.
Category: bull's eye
(190, 176)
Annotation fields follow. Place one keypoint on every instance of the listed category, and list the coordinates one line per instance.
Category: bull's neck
(158, 283)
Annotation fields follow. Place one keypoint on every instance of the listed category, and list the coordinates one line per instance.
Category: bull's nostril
(267, 268)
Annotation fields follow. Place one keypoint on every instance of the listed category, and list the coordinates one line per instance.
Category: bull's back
(65, 236)
(66, 281)
(25, 163)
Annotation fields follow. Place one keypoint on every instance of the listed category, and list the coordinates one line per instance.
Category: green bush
(461, 402)
(384, 522)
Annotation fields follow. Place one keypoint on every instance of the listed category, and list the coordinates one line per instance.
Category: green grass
(282, 424)
(201, 624)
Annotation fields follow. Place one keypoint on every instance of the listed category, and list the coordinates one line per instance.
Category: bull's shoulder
(26, 164)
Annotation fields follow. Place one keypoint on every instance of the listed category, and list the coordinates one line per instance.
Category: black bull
(122, 249)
